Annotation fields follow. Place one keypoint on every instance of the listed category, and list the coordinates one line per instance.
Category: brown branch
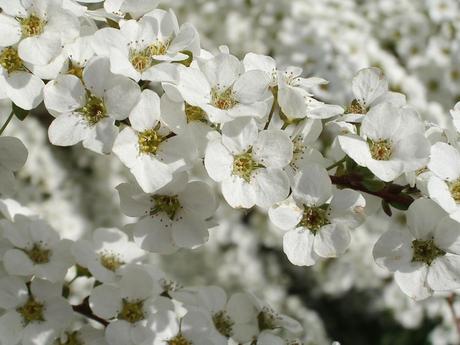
(391, 193)
(86, 311)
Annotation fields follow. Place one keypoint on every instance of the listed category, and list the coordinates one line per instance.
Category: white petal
(39, 50)
(11, 327)
(105, 301)
(24, 89)
(64, 94)
(13, 153)
(438, 190)
(199, 198)
(423, 217)
(146, 113)
(218, 161)
(194, 87)
(189, 231)
(273, 148)
(381, 122)
(270, 186)
(444, 273)
(121, 98)
(369, 84)
(292, 102)
(101, 136)
(13, 292)
(312, 185)
(10, 29)
(332, 240)
(151, 174)
(286, 214)
(412, 280)
(251, 86)
(298, 246)
(17, 262)
(152, 235)
(238, 193)
(447, 235)
(393, 250)
(445, 161)
(67, 129)
(238, 135)
(136, 283)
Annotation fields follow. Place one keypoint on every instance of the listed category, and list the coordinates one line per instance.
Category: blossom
(35, 316)
(173, 217)
(127, 304)
(317, 226)
(86, 109)
(424, 256)
(222, 88)
(249, 164)
(391, 142)
(39, 27)
(36, 249)
(106, 255)
(139, 48)
(149, 149)
(13, 155)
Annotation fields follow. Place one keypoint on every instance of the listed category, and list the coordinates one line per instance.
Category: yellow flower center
(111, 261)
(159, 47)
(223, 323)
(267, 319)
(454, 188)
(355, 108)
(149, 141)
(94, 109)
(168, 204)
(75, 70)
(10, 60)
(32, 26)
(140, 59)
(380, 150)
(314, 218)
(38, 254)
(244, 165)
(425, 251)
(132, 311)
(179, 340)
(223, 99)
(31, 311)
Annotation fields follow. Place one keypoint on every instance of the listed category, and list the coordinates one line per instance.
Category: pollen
(355, 108)
(94, 110)
(75, 70)
(159, 47)
(10, 60)
(140, 59)
(380, 150)
(168, 204)
(267, 319)
(425, 251)
(179, 340)
(111, 261)
(31, 311)
(132, 311)
(314, 218)
(193, 113)
(454, 188)
(32, 26)
(244, 165)
(38, 254)
(223, 99)
(223, 323)
(297, 152)
(149, 141)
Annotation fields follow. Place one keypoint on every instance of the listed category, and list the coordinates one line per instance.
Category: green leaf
(400, 206)
(373, 185)
(20, 113)
(386, 208)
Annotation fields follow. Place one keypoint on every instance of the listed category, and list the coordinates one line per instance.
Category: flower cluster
(199, 129)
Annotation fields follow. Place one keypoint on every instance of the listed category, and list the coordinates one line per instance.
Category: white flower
(106, 254)
(127, 305)
(138, 49)
(229, 321)
(86, 335)
(35, 316)
(444, 184)
(170, 326)
(224, 90)
(249, 164)
(41, 27)
(36, 250)
(13, 155)
(317, 226)
(370, 87)
(148, 149)
(173, 217)
(86, 111)
(392, 142)
(257, 319)
(25, 89)
(424, 256)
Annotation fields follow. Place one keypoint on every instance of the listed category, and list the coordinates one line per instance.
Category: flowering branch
(85, 310)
